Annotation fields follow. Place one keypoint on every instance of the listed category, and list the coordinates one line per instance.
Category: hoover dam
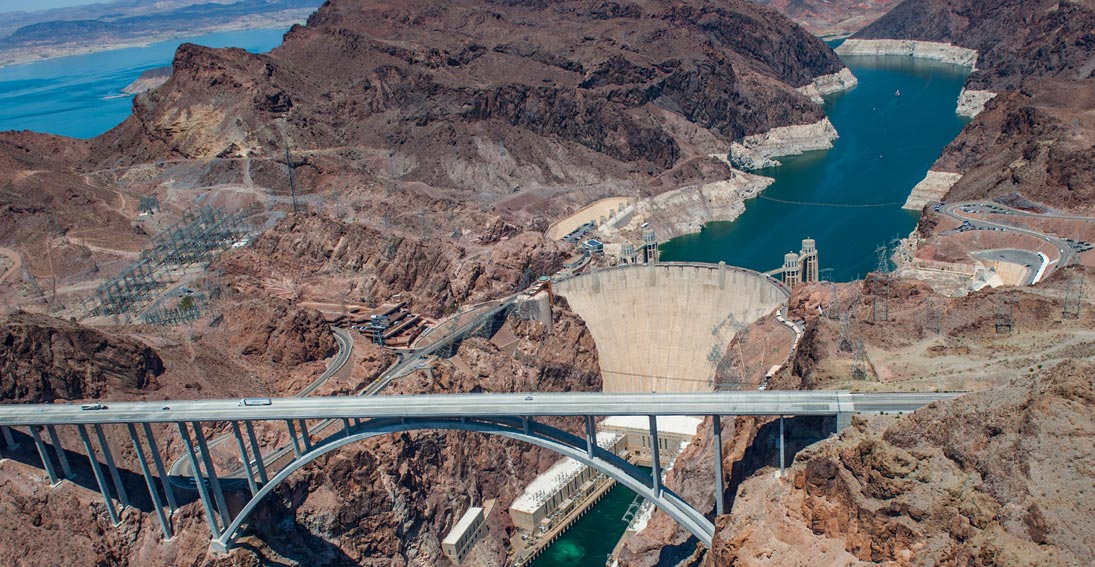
(656, 326)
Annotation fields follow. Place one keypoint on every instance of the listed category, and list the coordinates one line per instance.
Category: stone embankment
(972, 102)
(935, 51)
(933, 187)
(827, 84)
(760, 150)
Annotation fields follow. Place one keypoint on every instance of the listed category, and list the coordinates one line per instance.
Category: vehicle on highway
(255, 402)
(165, 408)
(92, 407)
(528, 398)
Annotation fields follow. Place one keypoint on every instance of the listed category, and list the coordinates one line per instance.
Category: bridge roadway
(507, 415)
(788, 403)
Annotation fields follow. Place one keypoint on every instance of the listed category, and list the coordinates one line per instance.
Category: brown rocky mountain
(1036, 137)
(995, 478)
(831, 18)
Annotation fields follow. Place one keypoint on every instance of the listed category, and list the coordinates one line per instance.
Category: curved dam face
(657, 326)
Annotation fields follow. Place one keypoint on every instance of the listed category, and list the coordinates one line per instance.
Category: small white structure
(463, 535)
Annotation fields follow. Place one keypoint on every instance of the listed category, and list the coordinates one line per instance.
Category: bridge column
(245, 459)
(99, 478)
(8, 438)
(211, 473)
(304, 435)
(164, 524)
(160, 470)
(719, 490)
(782, 472)
(199, 482)
(846, 409)
(56, 441)
(591, 435)
(44, 454)
(345, 427)
(293, 436)
(655, 456)
(526, 424)
(257, 451)
(122, 496)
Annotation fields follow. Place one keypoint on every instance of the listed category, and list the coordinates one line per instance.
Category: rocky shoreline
(827, 84)
(760, 150)
(971, 102)
(932, 188)
(685, 210)
(935, 51)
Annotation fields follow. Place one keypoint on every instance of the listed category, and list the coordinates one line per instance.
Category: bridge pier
(782, 469)
(44, 454)
(655, 456)
(211, 473)
(257, 451)
(165, 525)
(56, 442)
(304, 435)
(109, 458)
(199, 482)
(720, 498)
(104, 489)
(246, 460)
(155, 449)
(293, 436)
(591, 435)
(8, 438)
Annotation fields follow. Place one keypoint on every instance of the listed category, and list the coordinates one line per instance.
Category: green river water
(887, 143)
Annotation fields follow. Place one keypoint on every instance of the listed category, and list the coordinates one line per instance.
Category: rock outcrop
(43, 359)
(760, 150)
(989, 479)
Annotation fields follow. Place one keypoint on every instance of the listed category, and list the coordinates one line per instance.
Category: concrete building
(653, 324)
(468, 530)
(627, 253)
(673, 432)
(792, 275)
(559, 489)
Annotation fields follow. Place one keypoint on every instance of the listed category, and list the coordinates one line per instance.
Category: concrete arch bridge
(509, 415)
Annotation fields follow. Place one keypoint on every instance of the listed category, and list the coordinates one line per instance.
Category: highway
(954, 210)
(181, 467)
(788, 403)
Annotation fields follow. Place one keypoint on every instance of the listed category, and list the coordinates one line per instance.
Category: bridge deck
(474, 405)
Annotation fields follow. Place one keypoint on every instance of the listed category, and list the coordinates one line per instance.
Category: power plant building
(673, 430)
(558, 489)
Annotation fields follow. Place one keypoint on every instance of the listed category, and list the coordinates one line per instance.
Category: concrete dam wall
(656, 327)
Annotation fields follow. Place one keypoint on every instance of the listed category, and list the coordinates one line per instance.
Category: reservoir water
(848, 198)
(81, 95)
(591, 539)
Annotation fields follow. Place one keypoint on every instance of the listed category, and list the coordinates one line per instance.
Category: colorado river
(892, 127)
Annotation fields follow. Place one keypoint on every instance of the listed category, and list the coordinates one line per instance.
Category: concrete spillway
(657, 326)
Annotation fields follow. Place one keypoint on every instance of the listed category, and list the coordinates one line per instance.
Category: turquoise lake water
(81, 95)
(886, 145)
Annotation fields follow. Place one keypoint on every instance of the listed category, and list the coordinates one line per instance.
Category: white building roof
(547, 484)
(462, 526)
(679, 424)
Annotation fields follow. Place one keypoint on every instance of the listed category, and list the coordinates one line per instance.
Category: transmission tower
(292, 186)
(729, 373)
(1005, 316)
(859, 366)
(884, 271)
(1074, 298)
(845, 342)
(832, 310)
(933, 316)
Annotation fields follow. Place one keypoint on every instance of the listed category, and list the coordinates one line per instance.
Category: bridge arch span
(535, 433)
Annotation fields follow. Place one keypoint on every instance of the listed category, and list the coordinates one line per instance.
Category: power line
(843, 205)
